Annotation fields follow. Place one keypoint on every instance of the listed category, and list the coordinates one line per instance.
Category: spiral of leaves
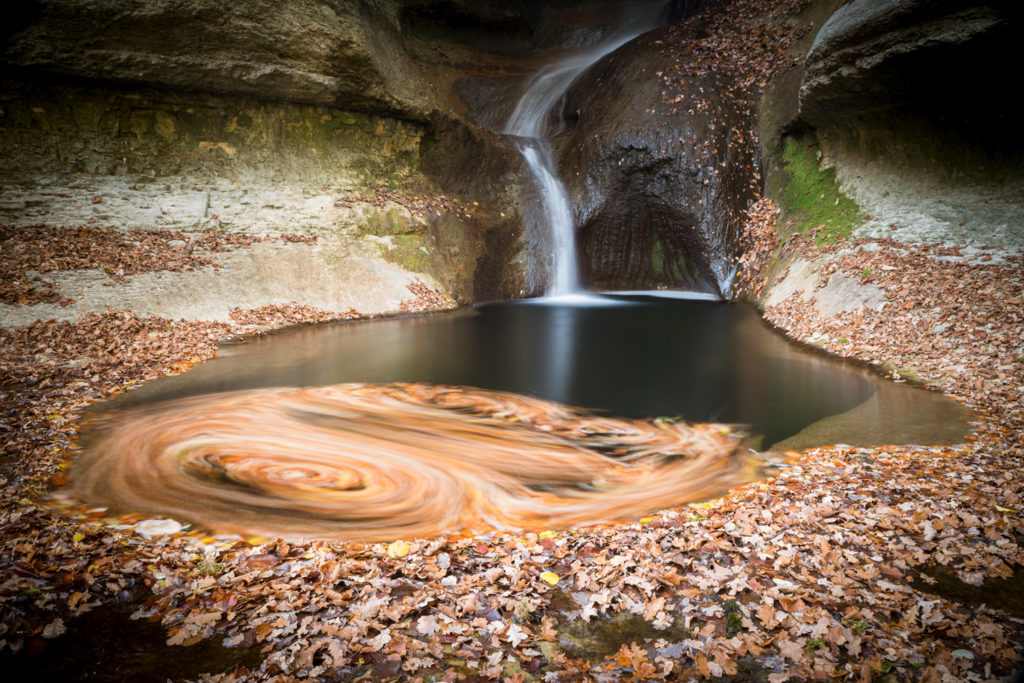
(374, 462)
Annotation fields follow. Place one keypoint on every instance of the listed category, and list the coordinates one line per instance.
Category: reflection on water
(376, 440)
(377, 461)
(701, 360)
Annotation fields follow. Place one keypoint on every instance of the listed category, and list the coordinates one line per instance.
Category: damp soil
(1005, 595)
(107, 645)
(635, 356)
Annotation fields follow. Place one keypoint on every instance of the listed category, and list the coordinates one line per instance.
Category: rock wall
(660, 185)
(123, 132)
(309, 119)
(357, 122)
(164, 160)
(895, 125)
(366, 125)
(908, 104)
(340, 54)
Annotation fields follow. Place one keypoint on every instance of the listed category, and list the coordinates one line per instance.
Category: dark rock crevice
(660, 186)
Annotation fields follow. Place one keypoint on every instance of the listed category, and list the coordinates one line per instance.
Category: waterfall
(531, 123)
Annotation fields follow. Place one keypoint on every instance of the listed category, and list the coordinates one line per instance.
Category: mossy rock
(203, 135)
(812, 197)
(412, 253)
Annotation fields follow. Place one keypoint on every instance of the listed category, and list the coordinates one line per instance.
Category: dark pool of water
(635, 356)
(107, 645)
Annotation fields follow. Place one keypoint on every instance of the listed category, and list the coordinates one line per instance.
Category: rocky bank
(253, 119)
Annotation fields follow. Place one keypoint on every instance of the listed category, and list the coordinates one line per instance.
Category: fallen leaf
(378, 642)
(398, 549)
(792, 650)
(54, 629)
(427, 626)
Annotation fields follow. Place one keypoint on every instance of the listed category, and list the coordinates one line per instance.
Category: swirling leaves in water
(373, 462)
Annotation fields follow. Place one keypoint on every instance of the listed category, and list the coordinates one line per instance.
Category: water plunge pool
(480, 434)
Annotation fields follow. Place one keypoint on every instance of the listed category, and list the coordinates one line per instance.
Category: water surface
(550, 413)
(637, 356)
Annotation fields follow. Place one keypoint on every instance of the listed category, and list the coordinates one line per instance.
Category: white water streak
(530, 122)
(559, 216)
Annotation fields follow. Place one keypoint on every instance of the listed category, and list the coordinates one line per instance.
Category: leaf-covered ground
(839, 568)
(822, 572)
(32, 251)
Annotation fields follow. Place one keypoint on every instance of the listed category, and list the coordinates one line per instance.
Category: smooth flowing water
(636, 356)
(462, 422)
(536, 118)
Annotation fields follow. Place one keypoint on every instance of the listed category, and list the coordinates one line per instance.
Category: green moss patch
(405, 241)
(409, 253)
(812, 197)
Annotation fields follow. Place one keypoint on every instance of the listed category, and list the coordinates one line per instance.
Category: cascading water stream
(531, 123)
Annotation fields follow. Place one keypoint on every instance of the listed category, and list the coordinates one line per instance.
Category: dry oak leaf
(54, 629)
(792, 650)
(766, 613)
(631, 655)
(427, 626)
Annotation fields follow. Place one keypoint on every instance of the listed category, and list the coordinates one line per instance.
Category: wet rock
(659, 186)
(475, 163)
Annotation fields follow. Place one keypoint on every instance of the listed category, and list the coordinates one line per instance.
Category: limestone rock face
(872, 54)
(660, 187)
(908, 101)
(263, 117)
(344, 54)
(905, 106)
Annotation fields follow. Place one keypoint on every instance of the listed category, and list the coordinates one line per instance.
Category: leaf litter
(808, 575)
(33, 250)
